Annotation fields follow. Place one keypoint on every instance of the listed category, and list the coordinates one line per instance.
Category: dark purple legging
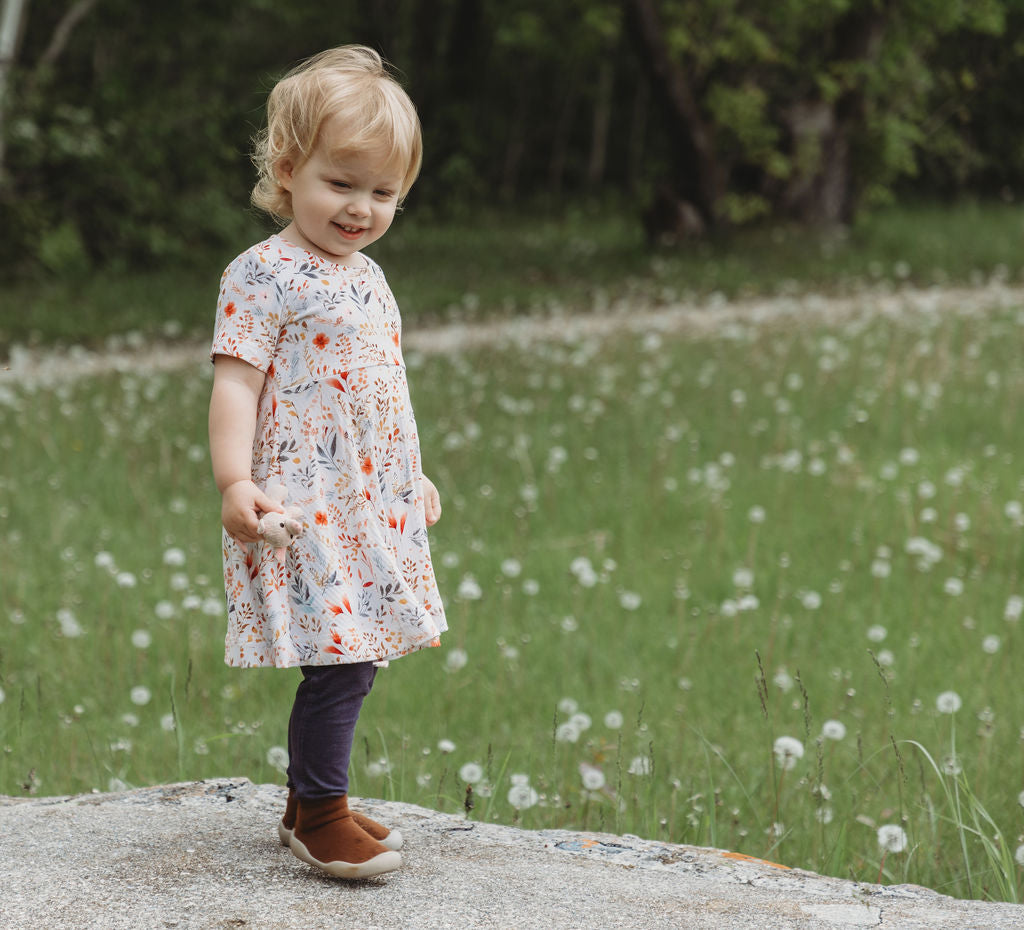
(322, 727)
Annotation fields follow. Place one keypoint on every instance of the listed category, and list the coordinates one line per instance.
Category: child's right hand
(241, 506)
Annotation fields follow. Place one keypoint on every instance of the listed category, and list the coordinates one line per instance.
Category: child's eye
(341, 185)
(385, 194)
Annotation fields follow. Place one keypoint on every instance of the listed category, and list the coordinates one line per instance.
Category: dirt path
(35, 368)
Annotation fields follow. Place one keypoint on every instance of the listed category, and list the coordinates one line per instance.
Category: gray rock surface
(206, 855)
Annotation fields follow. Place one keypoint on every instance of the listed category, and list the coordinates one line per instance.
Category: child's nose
(359, 206)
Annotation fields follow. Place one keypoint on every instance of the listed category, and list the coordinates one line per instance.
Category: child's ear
(285, 170)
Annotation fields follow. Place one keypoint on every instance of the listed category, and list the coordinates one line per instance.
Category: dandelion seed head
(455, 659)
(174, 557)
(568, 705)
(892, 838)
(877, 633)
(141, 639)
(613, 719)
(592, 777)
(630, 600)
(471, 773)
(140, 695)
(581, 721)
(522, 797)
(567, 732)
(788, 751)
(277, 757)
(991, 644)
(1018, 856)
(469, 589)
(511, 567)
(756, 514)
(640, 765)
(833, 729)
(168, 723)
(948, 702)
(446, 746)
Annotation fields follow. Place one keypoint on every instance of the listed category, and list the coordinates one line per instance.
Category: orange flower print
(367, 465)
(321, 341)
(344, 607)
(336, 636)
(321, 518)
(230, 309)
(396, 523)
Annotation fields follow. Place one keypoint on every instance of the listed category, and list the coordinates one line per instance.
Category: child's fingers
(267, 505)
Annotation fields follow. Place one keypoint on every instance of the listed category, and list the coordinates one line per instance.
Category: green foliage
(130, 147)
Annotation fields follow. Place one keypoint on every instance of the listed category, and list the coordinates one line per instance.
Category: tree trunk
(560, 142)
(601, 122)
(12, 17)
(822, 191)
(698, 181)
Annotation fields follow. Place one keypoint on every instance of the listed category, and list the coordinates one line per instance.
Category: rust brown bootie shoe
(392, 839)
(326, 836)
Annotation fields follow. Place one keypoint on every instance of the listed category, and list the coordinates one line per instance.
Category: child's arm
(236, 393)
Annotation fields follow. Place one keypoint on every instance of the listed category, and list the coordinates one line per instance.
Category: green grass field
(711, 591)
(539, 259)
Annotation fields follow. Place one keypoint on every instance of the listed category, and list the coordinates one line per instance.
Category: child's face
(341, 201)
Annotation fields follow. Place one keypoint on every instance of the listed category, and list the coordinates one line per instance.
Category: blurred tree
(802, 108)
(126, 126)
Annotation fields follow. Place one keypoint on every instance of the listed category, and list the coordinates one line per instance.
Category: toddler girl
(310, 392)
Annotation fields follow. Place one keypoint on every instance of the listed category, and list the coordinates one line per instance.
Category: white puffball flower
(141, 639)
(788, 750)
(277, 756)
(469, 590)
(948, 702)
(446, 745)
(640, 765)
(167, 723)
(164, 610)
(456, 659)
(892, 838)
(174, 557)
(69, 625)
(592, 777)
(126, 580)
(1018, 856)
(522, 796)
(3, 696)
(833, 729)
(954, 587)
(567, 732)
(140, 695)
(581, 721)
(756, 514)
(512, 568)
(877, 633)
(630, 600)
(991, 644)
(471, 773)
(613, 719)
(568, 705)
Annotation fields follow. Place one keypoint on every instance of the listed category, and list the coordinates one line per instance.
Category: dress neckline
(321, 261)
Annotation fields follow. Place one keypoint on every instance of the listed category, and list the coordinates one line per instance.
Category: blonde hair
(351, 84)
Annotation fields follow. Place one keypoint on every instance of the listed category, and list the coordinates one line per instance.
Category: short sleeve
(249, 311)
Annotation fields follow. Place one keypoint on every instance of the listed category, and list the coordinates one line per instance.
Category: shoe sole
(393, 841)
(378, 865)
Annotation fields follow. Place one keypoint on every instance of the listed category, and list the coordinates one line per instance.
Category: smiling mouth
(350, 230)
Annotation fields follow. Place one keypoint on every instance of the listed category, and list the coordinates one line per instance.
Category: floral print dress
(336, 428)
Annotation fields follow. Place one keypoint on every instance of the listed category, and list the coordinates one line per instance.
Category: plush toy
(279, 529)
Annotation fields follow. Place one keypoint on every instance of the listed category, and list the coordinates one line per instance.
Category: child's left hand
(431, 500)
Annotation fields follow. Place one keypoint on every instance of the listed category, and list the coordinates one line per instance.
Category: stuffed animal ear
(277, 493)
